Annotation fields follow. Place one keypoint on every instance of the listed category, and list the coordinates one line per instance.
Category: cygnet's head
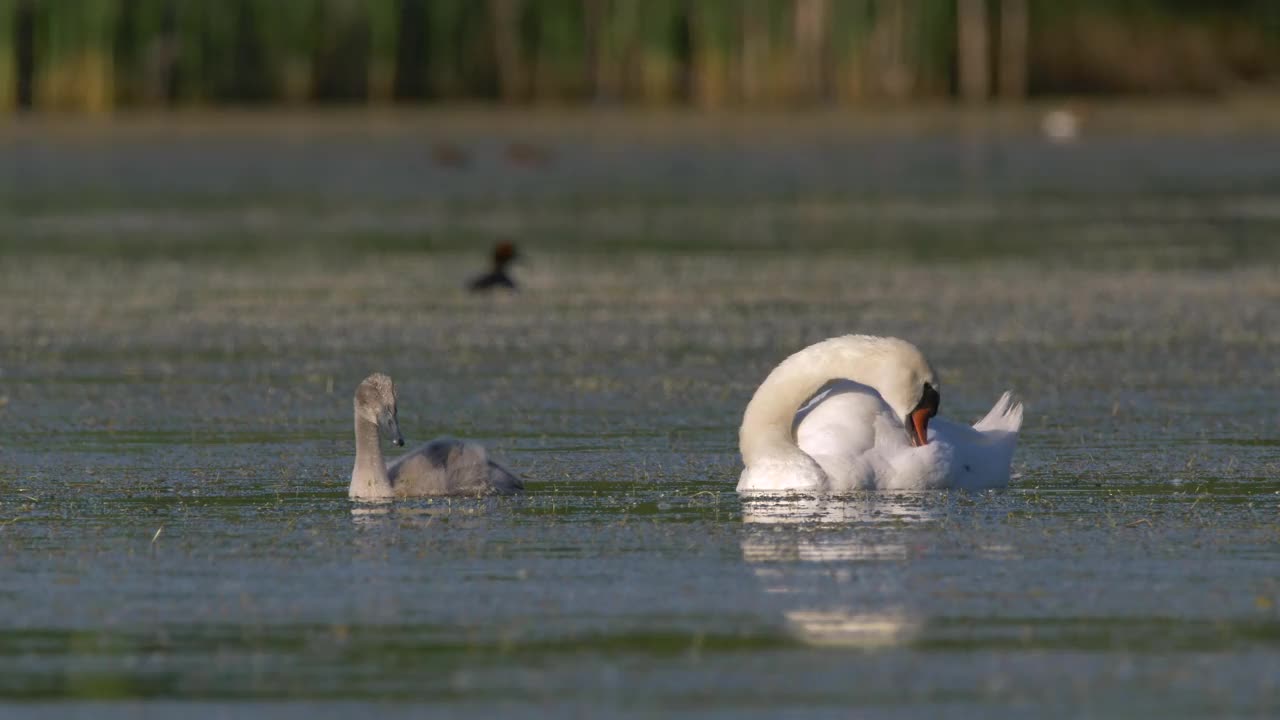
(906, 381)
(504, 253)
(376, 402)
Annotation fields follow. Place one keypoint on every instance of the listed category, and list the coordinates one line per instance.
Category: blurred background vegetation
(96, 55)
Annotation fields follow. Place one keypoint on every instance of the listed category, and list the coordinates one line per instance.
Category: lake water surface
(184, 314)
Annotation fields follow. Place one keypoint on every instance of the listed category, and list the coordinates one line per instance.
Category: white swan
(857, 413)
(443, 466)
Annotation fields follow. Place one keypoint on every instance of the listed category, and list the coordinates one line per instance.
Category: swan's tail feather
(1005, 416)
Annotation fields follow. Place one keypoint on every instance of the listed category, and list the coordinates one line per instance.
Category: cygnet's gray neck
(369, 477)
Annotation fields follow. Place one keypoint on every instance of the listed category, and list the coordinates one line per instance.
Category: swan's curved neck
(369, 477)
(767, 425)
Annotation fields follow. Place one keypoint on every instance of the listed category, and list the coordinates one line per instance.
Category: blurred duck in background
(528, 155)
(1061, 125)
(450, 156)
(503, 254)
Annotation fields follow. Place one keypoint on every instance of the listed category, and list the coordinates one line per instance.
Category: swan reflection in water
(835, 564)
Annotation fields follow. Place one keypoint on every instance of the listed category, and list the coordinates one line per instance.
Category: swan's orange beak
(918, 419)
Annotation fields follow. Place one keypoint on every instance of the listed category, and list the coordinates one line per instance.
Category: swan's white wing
(858, 441)
(851, 432)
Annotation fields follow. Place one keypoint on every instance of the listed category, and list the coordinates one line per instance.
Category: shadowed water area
(185, 312)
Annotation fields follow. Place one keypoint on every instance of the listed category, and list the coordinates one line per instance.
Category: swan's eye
(929, 398)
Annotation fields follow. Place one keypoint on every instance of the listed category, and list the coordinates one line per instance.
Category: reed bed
(94, 55)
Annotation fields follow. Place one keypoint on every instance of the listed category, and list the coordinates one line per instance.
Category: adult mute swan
(443, 466)
(858, 413)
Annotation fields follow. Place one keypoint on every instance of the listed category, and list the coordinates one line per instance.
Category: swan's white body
(855, 438)
(830, 419)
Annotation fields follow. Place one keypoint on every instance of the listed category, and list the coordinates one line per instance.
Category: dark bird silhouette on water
(503, 254)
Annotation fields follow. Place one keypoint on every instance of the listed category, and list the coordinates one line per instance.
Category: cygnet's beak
(391, 427)
(918, 419)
